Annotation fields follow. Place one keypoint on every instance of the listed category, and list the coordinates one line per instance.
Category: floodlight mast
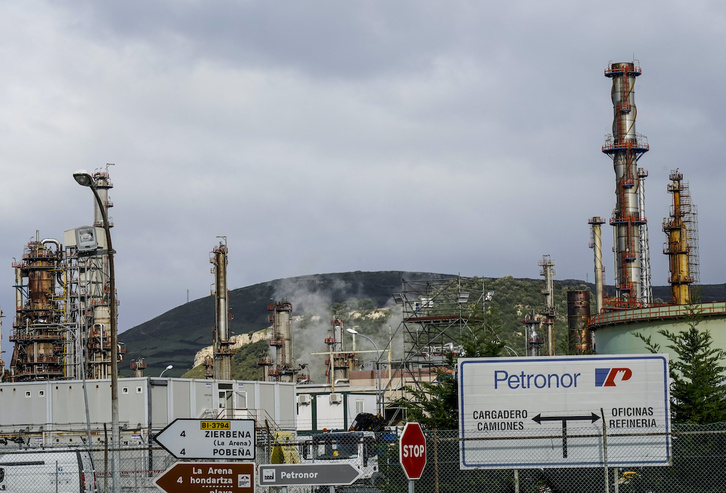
(85, 179)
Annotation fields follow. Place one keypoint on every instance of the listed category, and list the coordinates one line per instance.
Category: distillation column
(578, 314)
(625, 147)
(38, 330)
(596, 245)
(281, 319)
(222, 345)
(548, 312)
(681, 245)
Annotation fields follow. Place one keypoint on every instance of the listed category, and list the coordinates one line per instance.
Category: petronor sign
(307, 474)
(553, 411)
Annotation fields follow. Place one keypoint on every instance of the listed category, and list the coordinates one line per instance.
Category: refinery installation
(221, 365)
(64, 332)
(62, 326)
(436, 312)
(64, 306)
(280, 366)
(625, 147)
(611, 326)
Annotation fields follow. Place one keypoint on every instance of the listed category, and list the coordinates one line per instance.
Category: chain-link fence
(79, 470)
(697, 464)
(697, 453)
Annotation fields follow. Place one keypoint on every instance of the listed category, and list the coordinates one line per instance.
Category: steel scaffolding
(435, 315)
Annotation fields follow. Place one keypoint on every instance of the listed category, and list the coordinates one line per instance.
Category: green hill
(175, 336)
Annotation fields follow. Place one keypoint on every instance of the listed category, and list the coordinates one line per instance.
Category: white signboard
(186, 438)
(549, 411)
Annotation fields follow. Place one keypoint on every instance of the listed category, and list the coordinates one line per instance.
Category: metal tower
(283, 368)
(548, 311)
(223, 351)
(39, 333)
(62, 325)
(681, 230)
(625, 147)
(578, 314)
(596, 245)
(436, 312)
(87, 291)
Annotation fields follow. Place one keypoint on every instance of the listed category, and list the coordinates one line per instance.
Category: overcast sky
(330, 136)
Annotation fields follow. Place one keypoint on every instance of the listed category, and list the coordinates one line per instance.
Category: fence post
(105, 458)
(616, 479)
(605, 451)
(436, 463)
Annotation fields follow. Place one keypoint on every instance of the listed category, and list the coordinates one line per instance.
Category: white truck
(47, 471)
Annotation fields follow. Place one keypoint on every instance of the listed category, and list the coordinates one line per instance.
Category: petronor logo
(610, 377)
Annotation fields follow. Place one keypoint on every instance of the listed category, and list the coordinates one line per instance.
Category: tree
(434, 404)
(698, 393)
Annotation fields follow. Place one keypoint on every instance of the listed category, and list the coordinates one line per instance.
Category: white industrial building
(319, 409)
(44, 413)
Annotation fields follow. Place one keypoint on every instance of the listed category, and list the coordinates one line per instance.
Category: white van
(47, 471)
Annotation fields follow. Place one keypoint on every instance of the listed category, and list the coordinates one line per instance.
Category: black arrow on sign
(539, 418)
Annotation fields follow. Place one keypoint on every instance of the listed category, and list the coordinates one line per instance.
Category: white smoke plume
(313, 314)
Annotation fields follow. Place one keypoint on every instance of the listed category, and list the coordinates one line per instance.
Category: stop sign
(412, 451)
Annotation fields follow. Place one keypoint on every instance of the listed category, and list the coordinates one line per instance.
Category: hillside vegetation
(175, 336)
(361, 299)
